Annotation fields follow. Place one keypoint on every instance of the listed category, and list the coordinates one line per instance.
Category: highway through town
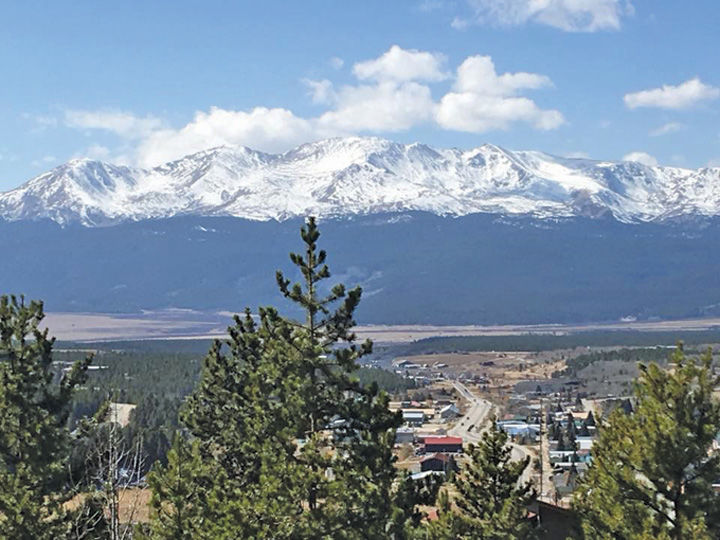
(471, 426)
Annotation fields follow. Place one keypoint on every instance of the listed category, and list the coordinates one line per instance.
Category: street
(471, 426)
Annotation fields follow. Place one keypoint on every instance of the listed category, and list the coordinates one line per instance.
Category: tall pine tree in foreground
(290, 445)
(489, 501)
(34, 440)
(653, 469)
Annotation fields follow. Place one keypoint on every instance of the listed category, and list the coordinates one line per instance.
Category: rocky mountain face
(364, 176)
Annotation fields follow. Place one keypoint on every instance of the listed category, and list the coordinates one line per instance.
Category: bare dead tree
(112, 473)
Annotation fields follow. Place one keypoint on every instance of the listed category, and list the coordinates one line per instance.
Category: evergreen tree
(489, 500)
(294, 445)
(652, 470)
(571, 443)
(177, 490)
(626, 406)
(590, 420)
(570, 429)
(34, 440)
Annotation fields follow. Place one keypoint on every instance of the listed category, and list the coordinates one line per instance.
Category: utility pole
(542, 435)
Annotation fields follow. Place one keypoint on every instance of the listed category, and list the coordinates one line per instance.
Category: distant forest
(157, 376)
(550, 342)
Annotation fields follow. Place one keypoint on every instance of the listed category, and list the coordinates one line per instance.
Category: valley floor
(189, 324)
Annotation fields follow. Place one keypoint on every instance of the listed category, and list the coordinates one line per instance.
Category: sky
(142, 83)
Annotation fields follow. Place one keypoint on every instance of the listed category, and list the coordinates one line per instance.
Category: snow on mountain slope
(338, 177)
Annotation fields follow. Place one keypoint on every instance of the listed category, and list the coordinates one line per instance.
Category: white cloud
(685, 95)
(670, 127)
(386, 106)
(393, 93)
(121, 123)
(336, 62)
(459, 23)
(402, 65)
(320, 91)
(270, 130)
(477, 74)
(97, 151)
(568, 15)
(577, 155)
(390, 97)
(482, 100)
(477, 114)
(641, 157)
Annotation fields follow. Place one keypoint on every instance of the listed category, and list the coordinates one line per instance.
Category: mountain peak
(363, 175)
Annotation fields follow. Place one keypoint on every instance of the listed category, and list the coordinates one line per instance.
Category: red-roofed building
(443, 444)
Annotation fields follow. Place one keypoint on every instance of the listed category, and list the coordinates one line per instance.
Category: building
(443, 444)
(423, 475)
(120, 413)
(404, 436)
(555, 521)
(566, 481)
(413, 418)
(449, 411)
(438, 462)
(584, 443)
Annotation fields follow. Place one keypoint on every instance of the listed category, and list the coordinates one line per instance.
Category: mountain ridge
(360, 176)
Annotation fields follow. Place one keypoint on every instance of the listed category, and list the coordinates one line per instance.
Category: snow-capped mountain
(358, 176)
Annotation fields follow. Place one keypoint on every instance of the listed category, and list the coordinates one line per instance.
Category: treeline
(549, 342)
(658, 355)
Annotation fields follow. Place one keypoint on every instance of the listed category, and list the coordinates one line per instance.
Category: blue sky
(145, 82)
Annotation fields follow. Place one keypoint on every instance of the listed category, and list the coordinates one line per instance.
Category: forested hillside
(480, 268)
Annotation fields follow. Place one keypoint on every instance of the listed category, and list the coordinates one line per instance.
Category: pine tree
(571, 443)
(177, 490)
(652, 470)
(295, 446)
(489, 500)
(570, 429)
(34, 440)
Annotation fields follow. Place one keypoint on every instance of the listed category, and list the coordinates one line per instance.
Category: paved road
(471, 426)
(519, 453)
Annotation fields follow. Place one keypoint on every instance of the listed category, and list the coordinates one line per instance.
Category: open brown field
(189, 324)
(500, 368)
(134, 504)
